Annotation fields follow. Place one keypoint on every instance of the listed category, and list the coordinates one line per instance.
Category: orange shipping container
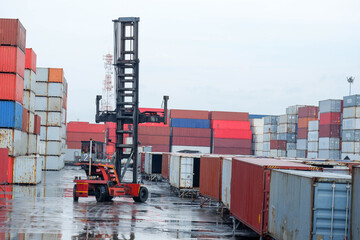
(165, 165)
(211, 176)
(303, 122)
(30, 59)
(12, 60)
(11, 87)
(56, 75)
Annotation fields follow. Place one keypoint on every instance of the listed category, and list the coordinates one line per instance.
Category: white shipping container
(267, 137)
(348, 147)
(41, 89)
(54, 104)
(53, 119)
(291, 153)
(257, 130)
(348, 124)
(259, 153)
(257, 122)
(226, 182)
(53, 148)
(266, 153)
(352, 156)
(330, 154)
(43, 116)
(270, 129)
(313, 146)
(63, 115)
(71, 154)
(301, 144)
(313, 126)
(258, 138)
(55, 89)
(288, 119)
(52, 163)
(42, 74)
(63, 131)
(329, 143)
(182, 173)
(29, 80)
(259, 146)
(41, 103)
(31, 121)
(313, 155)
(357, 147)
(313, 136)
(349, 112)
(29, 100)
(32, 147)
(175, 148)
(330, 105)
(287, 128)
(14, 140)
(41, 147)
(277, 153)
(27, 170)
(301, 153)
(53, 133)
(63, 146)
(266, 147)
(42, 133)
(290, 146)
(293, 110)
(153, 163)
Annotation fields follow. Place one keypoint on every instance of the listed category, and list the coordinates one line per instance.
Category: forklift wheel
(74, 194)
(101, 193)
(143, 195)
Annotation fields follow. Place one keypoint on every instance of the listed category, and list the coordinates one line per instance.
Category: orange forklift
(104, 178)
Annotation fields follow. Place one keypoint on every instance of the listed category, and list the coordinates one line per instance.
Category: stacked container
(257, 128)
(305, 115)
(270, 133)
(82, 131)
(49, 90)
(329, 128)
(231, 133)
(351, 128)
(313, 139)
(190, 130)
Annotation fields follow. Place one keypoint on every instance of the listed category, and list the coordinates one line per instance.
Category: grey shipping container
(272, 120)
(330, 105)
(351, 101)
(309, 205)
(355, 206)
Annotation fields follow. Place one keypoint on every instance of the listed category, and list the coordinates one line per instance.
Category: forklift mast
(126, 63)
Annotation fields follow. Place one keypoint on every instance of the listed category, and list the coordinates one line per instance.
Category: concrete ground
(47, 211)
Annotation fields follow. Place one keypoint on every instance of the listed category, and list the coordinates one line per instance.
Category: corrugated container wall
(210, 177)
(355, 206)
(226, 182)
(12, 33)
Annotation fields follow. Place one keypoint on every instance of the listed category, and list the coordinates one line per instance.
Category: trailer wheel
(100, 193)
(143, 195)
(74, 194)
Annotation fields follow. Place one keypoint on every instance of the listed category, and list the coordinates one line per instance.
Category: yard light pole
(350, 81)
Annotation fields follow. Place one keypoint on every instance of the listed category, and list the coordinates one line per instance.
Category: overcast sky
(258, 56)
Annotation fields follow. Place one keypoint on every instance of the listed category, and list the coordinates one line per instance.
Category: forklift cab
(97, 155)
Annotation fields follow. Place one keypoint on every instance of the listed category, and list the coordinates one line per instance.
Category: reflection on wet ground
(47, 211)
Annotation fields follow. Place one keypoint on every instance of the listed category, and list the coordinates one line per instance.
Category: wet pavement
(47, 211)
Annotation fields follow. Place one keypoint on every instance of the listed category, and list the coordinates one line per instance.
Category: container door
(175, 171)
(186, 172)
(266, 201)
(156, 164)
(147, 163)
(196, 170)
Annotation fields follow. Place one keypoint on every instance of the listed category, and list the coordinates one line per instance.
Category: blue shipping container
(309, 205)
(190, 123)
(11, 115)
(355, 204)
(256, 116)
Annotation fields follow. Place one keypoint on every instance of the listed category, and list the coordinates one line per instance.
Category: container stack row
(19, 126)
(257, 128)
(270, 133)
(50, 90)
(190, 131)
(313, 139)
(351, 128)
(330, 128)
(305, 115)
(231, 133)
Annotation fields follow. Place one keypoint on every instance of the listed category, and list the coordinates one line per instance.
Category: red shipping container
(232, 133)
(6, 166)
(12, 33)
(142, 162)
(150, 130)
(330, 118)
(230, 150)
(30, 59)
(211, 177)
(245, 125)
(11, 87)
(278, 144)
(85, 136)
(73, 144)
(12, 60)
(234, 116)
(191, 132)
(151, 139)
(250, 184)
(228, 142)
(37, 123)
(304, 122)
(110, 125)
(189, 114)
(158, 147)
(85, 127)
(165, 165)
(25, 122)
(302, 133)
(191, 141)
(331, 130)
(308, 111)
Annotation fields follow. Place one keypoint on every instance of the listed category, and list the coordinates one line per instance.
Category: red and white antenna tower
(107, 102)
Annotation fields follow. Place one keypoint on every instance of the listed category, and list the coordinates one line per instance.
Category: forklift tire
(74, 194)
(143, 195)
(101, 193)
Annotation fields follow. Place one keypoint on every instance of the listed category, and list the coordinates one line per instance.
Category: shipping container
(211, 177)
(270, 128)
(351, 112)
(309, 205)
(11, 87)
(197, 149)
(71, 154)
(84, 136)
(33, 142)
(156, 140)
(314, 126)
(232, 133)
(331, 130)
(185, 171)
(85, 127)
(330, 118)
(293, 110)
(231, 150)
(191, 132)
(257, 116)
(6, 166)
(226, 182)
(29, 80)
(11, 115)
(232, 116)
(244, 125)
(191, 114)
(304, 122)
(302, 133)
(25, 121)
(351, 101)
(53, 163)
(288, 119)
(252, 203)
(287, 128)
(27, 170)
(228, 142)
(191, 141)
(12, 60)
(278, 144)
(30, 59)
(165, 165)
(308, 112)
(29, 100)
(355, 206)
(37, 124)
(42, 74)
(271, 120)
(159, 147)
(153, 163)
(12, 33)
(329, 143)
(329, 154)
(330, 105)
(73, 144)
(56, 75)
(190, 123)
(157, 131)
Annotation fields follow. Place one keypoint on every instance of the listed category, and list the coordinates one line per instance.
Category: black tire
(143, 195)
(74, 194)
(101, 193)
